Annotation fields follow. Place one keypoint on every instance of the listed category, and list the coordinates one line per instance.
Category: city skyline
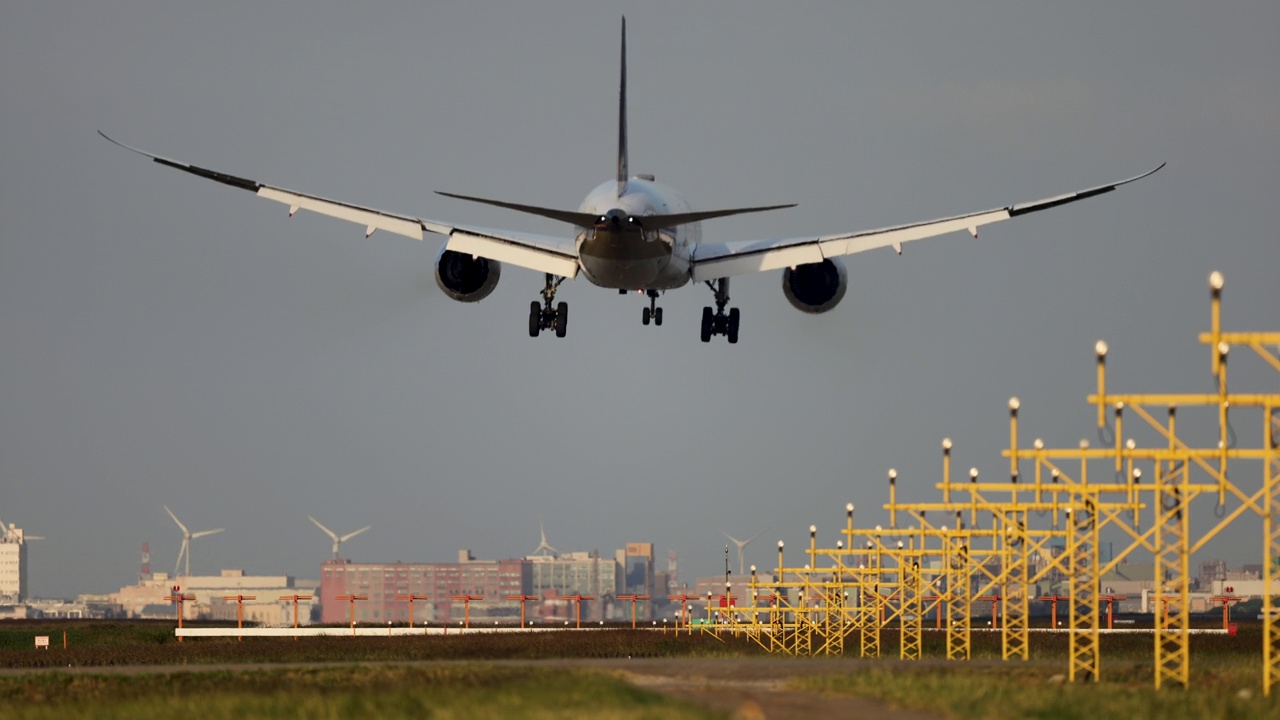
(768, 553)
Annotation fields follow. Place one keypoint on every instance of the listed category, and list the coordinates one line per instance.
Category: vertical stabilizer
(622, 116)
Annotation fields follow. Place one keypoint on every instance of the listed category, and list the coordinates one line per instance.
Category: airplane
(634, 234)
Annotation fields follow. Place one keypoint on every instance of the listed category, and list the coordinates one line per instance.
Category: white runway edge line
(365, 631)
(400, 631)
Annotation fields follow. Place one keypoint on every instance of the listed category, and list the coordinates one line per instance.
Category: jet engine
(464, 277)
(815, 287)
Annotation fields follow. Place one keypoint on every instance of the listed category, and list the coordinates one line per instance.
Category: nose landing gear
(718, 322)
(653, 312)
(542, 316)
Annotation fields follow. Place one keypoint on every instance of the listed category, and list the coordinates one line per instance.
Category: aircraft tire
(562, 319)
(535, 318)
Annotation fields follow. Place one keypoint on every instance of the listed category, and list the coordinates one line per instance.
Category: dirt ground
(751, 688)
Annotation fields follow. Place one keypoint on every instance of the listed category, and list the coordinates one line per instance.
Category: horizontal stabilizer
(581, 219)
(573, 218)
(663, 221)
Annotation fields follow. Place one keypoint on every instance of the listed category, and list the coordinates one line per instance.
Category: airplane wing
(557, 256)
(718, 260)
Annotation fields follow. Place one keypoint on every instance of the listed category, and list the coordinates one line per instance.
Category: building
(387, 585)
(146, 599)
(13, 565)
(575, 573)
(1248, 589)
(637, 559)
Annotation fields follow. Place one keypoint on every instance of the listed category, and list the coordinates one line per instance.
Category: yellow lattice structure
(1169, 538)
(885, 576)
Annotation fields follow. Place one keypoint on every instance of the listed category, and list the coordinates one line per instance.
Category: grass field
(368, 691)
(1226, 676)
(1226, 682)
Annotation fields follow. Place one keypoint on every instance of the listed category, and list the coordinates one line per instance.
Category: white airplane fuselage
(618, 253)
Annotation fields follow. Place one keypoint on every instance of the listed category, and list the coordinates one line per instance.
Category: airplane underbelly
(627, 274)
(623, 261)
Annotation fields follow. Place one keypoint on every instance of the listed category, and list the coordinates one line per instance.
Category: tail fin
(622, 116)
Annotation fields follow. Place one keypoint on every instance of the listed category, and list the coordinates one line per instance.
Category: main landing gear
(653, 312)
(719, 323)
(541, 314)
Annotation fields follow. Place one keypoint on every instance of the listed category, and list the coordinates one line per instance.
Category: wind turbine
(187, 537)
(543, 544)
(338, 540)
(741, 545)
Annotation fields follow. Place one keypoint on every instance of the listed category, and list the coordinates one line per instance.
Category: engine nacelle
(466, 278)
(815, 287)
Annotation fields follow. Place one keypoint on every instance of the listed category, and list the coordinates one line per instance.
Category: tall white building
(13, 566)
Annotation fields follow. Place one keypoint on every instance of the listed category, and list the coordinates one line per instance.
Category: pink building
(493, 580)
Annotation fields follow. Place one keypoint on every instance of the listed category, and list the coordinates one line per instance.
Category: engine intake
(815, 287)
(466, 278)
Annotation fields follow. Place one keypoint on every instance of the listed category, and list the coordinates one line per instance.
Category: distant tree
(1247, 608)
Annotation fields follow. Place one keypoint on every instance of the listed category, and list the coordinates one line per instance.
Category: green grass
(1225, 690)
(1226, 676)
(451, 691)
(1226, 680)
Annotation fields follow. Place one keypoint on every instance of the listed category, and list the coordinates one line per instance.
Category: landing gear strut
(719, 323)
(542, 316)
(653, 312)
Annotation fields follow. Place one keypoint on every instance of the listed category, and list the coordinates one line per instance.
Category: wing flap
(892, 237)
(371, 219)
(723, 262)
(510, 249)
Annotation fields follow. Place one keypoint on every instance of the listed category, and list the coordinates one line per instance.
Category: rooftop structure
(13, 564)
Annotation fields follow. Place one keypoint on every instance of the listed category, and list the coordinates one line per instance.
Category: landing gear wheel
(653, 313)
(562, 319)
(717, 322)
(535, 318)
(542, 316)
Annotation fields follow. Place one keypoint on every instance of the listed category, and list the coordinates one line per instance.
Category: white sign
(42, 641)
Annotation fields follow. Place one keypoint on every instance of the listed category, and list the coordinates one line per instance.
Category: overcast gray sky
(167, 340)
